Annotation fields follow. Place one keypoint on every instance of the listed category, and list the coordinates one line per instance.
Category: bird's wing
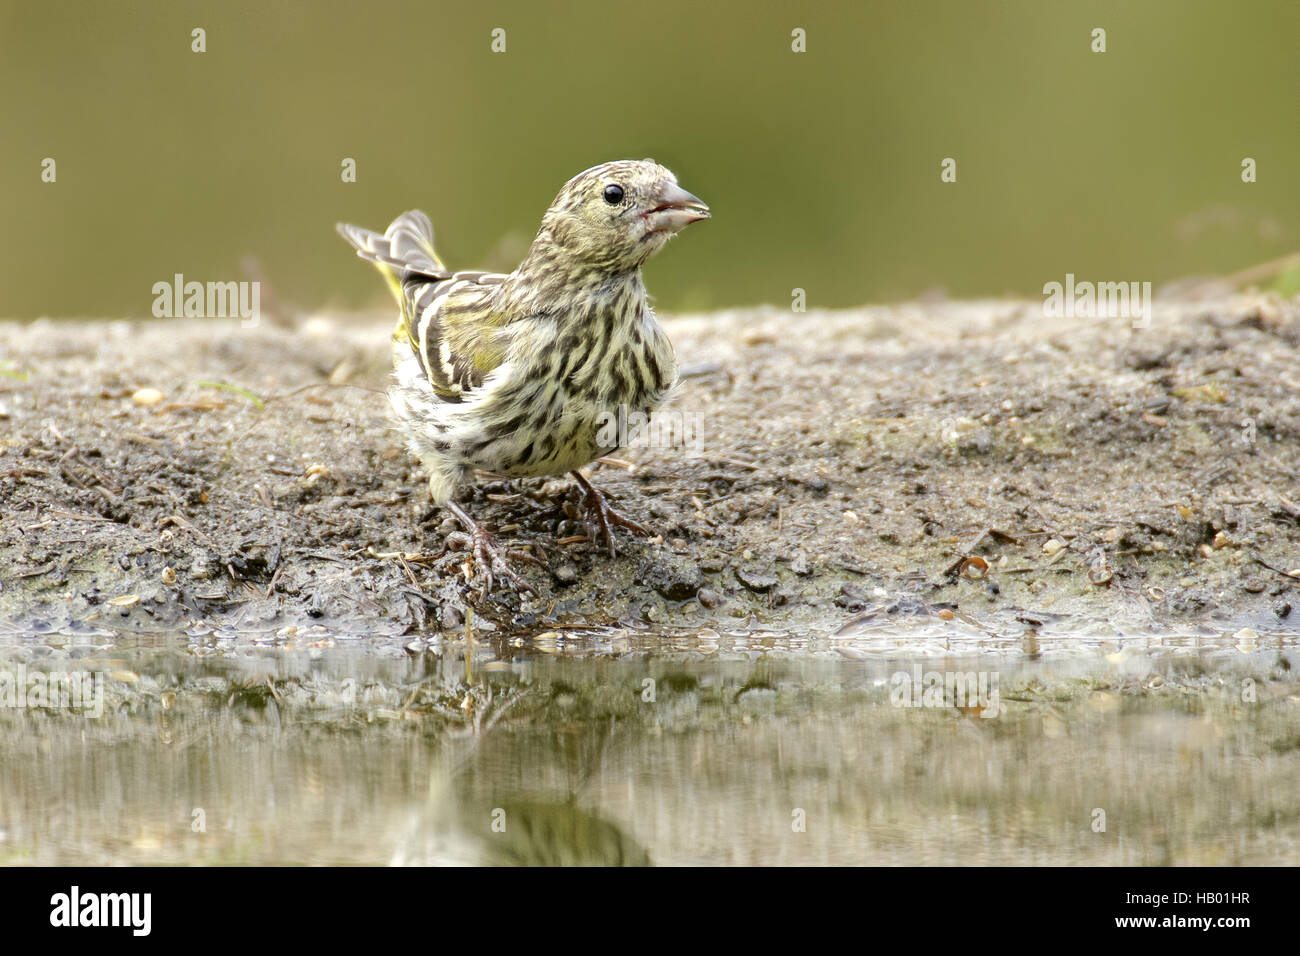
(453, 328)
(447, 319)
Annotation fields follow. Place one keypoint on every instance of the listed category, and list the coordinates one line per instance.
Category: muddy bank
(966, 459)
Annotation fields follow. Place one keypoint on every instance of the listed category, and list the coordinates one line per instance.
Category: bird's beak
(675, 209)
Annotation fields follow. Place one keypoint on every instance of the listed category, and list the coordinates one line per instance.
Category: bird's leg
(601, 517)
(486, 553)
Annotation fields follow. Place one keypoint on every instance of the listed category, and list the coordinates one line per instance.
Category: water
(633, 747)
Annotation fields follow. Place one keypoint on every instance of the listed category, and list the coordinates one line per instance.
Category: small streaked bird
(516, 374)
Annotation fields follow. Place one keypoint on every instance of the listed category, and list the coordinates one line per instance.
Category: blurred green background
(822, 168)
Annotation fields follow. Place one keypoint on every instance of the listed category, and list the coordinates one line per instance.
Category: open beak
(675, 209)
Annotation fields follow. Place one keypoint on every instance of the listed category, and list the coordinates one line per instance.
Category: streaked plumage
(511, 373)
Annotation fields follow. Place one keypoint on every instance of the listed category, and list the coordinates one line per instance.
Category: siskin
(515, 374)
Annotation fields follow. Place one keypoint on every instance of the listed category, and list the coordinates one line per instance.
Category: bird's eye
(613, 194)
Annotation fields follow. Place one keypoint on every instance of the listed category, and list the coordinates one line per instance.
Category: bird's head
(615, 216)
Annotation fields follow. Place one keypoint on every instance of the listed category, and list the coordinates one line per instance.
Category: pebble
(676, 578)
(755, 578)
(708, 598)
(565, 574)
(147, 396)
(852, 598)
(201, 568)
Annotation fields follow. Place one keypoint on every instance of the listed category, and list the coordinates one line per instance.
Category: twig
(1285, 574)
(76, 517)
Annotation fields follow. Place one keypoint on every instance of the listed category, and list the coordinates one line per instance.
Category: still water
(618, 747)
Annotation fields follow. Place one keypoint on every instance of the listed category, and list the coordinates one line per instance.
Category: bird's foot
(601, 518)
(489, 556)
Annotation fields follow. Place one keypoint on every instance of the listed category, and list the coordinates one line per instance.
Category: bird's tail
(405, 250)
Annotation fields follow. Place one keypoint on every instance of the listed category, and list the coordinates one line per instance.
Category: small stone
(565, 574)
(1100, 575)
(1282, 608)
(708, 598)
(799, 563)
(977, 443)
(676, 578)
(1221, 541)
(147, 396)
(201, 568)
(1253, 585)
(852, 598)
(1052, 546)
(757, 579)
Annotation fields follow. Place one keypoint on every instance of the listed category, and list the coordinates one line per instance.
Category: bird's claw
(496, 560)
(485, 553)
(600, 518)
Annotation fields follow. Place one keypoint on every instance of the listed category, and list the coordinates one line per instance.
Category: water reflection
(315, 749)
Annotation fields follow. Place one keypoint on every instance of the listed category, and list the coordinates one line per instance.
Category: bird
(519, 374)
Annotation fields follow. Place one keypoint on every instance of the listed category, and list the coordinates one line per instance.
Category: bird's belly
(582, 431)
(539, 420)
